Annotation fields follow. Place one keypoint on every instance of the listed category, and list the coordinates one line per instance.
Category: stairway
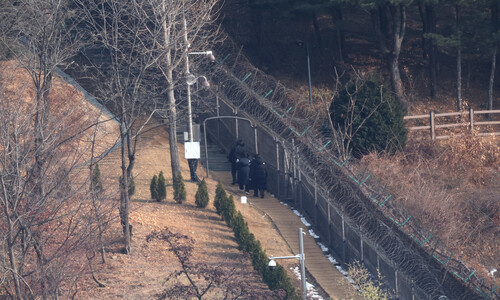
(217, 158)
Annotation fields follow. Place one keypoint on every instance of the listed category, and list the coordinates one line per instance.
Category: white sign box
(192, 150)
(243, 199)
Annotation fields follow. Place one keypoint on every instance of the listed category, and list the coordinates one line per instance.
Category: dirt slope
(142, 274)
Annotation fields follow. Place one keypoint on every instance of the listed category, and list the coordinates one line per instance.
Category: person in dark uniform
(236, 152)
(258, 176)
(243, 172)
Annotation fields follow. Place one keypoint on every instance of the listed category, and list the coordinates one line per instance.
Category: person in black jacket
(236, 152)
(243, 172)
(258, 176)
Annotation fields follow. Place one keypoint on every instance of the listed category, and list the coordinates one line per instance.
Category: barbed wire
(353, 190)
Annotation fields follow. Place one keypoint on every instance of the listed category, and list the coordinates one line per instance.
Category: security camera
(272, 264)
(299, 43)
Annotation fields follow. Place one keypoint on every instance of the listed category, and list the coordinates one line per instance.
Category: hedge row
(277, 279)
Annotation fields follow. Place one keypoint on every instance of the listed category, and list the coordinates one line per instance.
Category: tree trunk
(459, 79)
(393, 62)
(257, 30)
(339, 33)
(430, 47)
(425, 29)
(172, 120)
(124, 197)
(172, 110)
(459, 64)
(10, 241)
(389, 23)
(492, 78)
(494, 22)
(316, 29)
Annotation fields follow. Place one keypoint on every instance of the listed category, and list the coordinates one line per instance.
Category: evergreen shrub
(277, 279)
(202, 198)
(153, 187)
(376, 115)
(220, 194)
(179, 189)
(161, 188)
(96, 179)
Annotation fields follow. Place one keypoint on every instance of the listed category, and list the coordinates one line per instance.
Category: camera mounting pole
(301, 257)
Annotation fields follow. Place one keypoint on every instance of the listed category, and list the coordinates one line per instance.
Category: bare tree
(203, 280)
(144, 51)
(122, 29)
(185, 25)
(43, 197)
(42, 203)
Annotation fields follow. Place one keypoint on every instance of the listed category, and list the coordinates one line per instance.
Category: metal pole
(206, 148)
(309, 72)
(190, 121)
(302, 265)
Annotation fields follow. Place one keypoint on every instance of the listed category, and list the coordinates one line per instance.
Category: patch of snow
(314, 235)
(304, 221)
(323, 247)
(331, 259)
(311, 291)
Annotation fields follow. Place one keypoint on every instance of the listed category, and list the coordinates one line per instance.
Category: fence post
(343, 238)
(433, 133)
(316, 200)
(396, 282)
(236, 122)
(255, 138)
(362, 253)
(299, 189)
(294, 176)
(218, 115)
(278, 193)
(329, 222)
(471, 119)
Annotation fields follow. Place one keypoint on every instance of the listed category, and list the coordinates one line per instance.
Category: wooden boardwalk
(288, 223)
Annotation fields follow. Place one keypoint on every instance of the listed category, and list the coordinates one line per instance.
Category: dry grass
(452, 188)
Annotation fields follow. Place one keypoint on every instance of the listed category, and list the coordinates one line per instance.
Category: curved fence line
(356, 192)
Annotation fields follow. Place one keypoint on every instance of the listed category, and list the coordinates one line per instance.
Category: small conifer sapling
(153, 188)
(202, 198)
(179, 189)
(161, 188)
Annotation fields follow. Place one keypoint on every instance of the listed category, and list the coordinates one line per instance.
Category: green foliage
(369, 117)
(153, 187)
(96, 184)
(157, 187)
(131, 185)
(161, 191)
(202, 198)
(220, 194)
(179, 189)
(228, 209)
(277, 279)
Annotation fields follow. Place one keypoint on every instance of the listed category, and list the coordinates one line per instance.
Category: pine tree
(179, 189)
(153, 188)
(161, 188)
(373, 114)
(202, 197)
(96, 179)
(220, 194)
